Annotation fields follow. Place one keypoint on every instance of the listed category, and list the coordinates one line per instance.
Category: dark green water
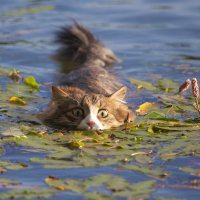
(155, 39)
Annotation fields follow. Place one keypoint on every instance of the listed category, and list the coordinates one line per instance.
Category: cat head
(73, 108)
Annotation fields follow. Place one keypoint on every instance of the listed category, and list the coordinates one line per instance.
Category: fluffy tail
(81, 46)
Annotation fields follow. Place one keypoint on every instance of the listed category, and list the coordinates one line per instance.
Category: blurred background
(155, 39)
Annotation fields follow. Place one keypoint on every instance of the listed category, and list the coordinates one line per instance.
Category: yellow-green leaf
(147, 107)
(30, 81)
(17, 100)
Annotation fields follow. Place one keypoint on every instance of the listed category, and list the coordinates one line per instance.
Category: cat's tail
(80, 45)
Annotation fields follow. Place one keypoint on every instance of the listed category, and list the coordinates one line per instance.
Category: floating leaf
(167, 85)
(192, 184)
(38, 193)
(4, 71)
(168, 156)
(150, 171)
(195, 172)
(143, 84)
(143, 159)
(76, 144)
(12, 165)
(17, 100)
(156, 115)
(118, 187)
(12, 131)
(180, 147)
(53, 163)
(147, 107)
(30, 81)
(7, 183)
(170, 130)
(19, 90)
(177, 127)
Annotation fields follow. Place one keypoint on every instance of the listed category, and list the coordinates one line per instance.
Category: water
(155, 39)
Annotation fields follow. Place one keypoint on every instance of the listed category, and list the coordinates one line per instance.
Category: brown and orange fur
(90, 97)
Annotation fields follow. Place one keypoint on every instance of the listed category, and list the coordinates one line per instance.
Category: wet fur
(87, 81)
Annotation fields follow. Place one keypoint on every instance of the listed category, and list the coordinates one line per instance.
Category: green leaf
(4, 71)
(12, 165)
(30, 81)
(143, 159)
(76, 144)
(192, 171)
(156, 115)
(150, 171)
(115, 186)
(38, 193)
(177, 127)
(6, 183)
(96, 195)
(167, 85)
(55, 164)
(168, 156)
(142, 84)
(65, 184)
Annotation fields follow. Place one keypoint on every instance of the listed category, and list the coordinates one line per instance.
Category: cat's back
(90, 58)
(95, 79)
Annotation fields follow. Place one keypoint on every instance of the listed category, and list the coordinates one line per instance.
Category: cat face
(75, 109)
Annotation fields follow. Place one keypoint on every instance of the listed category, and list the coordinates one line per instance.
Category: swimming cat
(90, 97)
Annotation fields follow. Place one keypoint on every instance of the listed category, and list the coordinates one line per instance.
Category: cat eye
(103, 113)
(77, 112)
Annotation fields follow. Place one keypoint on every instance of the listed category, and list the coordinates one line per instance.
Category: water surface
(155, 39)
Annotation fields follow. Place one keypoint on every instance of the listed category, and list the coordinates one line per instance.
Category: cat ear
(58, 92)
(119, 94)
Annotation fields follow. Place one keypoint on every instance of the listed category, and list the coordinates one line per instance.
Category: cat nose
(91, 124)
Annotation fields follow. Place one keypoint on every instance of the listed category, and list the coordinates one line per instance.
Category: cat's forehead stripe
(91, 99)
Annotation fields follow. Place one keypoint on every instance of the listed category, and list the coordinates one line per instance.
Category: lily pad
(192, 171)
(167, 85)
(164, 130)
(7, 183)
(38, 193)
(143, 84)
(148, 170)
(97, 185)
(156, 115)
(8, 165)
